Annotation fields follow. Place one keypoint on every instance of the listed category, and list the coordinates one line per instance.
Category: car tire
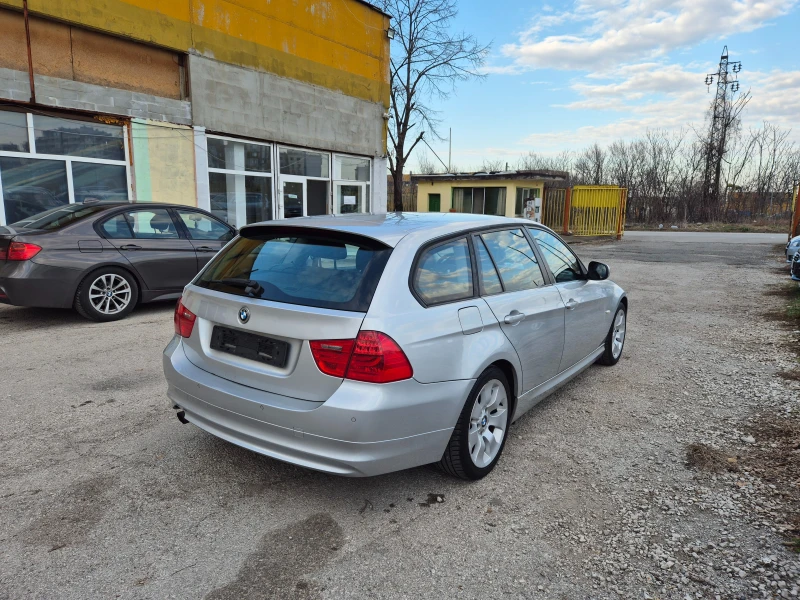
(470, 454)
(615, 340)
(93, 302)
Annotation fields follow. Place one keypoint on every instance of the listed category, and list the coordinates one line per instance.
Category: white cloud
(622, 31)
(680, 101)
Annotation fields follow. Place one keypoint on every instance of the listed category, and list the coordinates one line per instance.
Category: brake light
(332, 356)
(373, 357)
(22, 251)
(184, 320)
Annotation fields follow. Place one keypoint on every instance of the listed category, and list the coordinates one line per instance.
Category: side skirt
(531, 398)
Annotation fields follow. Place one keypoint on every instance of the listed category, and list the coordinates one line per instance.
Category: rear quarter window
(443, 273)
(300, 266)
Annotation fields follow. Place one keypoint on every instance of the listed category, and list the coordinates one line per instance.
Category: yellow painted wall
(163, 163)
(337, 44)
(445, 189)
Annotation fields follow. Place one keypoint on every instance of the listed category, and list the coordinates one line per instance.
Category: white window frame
(366, 185)
(68, 160)
(281, 177)
(268, 174)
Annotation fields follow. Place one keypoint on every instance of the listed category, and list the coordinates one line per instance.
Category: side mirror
(598, 271)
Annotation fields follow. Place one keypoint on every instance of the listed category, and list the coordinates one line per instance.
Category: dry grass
(706, 458)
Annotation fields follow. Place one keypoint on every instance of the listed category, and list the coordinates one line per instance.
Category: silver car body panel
(362, 429)
(300, 415)
(586, 324)
(536, 395)
(538, 337)
(293, 324)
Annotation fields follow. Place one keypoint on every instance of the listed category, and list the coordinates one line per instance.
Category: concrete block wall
(14, 85)
(239, 101)
(66, 93)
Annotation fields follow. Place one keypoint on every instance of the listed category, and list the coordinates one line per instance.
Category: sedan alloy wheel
(110, 294)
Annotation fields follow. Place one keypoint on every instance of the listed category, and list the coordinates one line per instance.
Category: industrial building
(253, 110)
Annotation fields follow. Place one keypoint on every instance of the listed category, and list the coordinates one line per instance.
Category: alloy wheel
(488, 423)
(618, 335)
(110, 294)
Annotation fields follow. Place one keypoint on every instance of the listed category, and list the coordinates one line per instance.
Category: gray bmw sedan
(361, 345)
(103, 259)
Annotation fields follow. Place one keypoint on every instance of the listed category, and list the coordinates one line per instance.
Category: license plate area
(251, 346)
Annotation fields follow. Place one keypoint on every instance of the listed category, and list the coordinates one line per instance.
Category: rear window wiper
(250, 286)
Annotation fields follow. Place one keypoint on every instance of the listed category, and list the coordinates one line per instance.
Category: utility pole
(727, 85)
(450, 153)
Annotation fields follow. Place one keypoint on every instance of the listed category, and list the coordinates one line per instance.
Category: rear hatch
(267, 294)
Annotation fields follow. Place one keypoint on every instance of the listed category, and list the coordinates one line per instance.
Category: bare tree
(590, 165)
(533, 161)
(428, 60)
(489, 166)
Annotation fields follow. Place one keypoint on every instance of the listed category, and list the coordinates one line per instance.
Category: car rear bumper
(361, 430)
(26, 283)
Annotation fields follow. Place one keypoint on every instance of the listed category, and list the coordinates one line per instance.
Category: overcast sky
(564, 75)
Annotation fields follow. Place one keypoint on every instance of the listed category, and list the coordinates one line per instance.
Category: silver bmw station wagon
(361, 345)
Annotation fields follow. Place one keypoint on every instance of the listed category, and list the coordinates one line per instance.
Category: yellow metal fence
(586, 210)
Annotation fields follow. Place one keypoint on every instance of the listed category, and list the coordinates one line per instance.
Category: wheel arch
(513, 381)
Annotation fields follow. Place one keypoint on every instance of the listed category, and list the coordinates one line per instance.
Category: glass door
(350, 198)
(293, 195)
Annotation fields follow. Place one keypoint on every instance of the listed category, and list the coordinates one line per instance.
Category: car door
(207, 234)
(529, 309)
(149, 239)
(586, 322)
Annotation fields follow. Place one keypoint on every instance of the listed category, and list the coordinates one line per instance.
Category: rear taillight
(22, 251)
(184, 320)
(332, 356)
(373, 357)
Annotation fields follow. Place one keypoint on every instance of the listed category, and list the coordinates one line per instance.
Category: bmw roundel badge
(244, 314)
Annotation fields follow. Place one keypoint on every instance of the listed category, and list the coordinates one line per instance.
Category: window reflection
(562, 262)
(78, 138)
(444, 273)
(304, 163)
(31, 186)
(515, 260)
(13, 132)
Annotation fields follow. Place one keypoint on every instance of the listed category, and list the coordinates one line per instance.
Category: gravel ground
(103, 494)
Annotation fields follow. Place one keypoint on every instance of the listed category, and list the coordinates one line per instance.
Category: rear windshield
(58, 218)
(299, 266)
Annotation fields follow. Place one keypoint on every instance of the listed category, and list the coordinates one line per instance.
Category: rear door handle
(130, 247)
(206, 249)
(514, 317)
(571, 303)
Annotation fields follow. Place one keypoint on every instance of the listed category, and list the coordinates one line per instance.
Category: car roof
(390, 228)
(118, 204)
